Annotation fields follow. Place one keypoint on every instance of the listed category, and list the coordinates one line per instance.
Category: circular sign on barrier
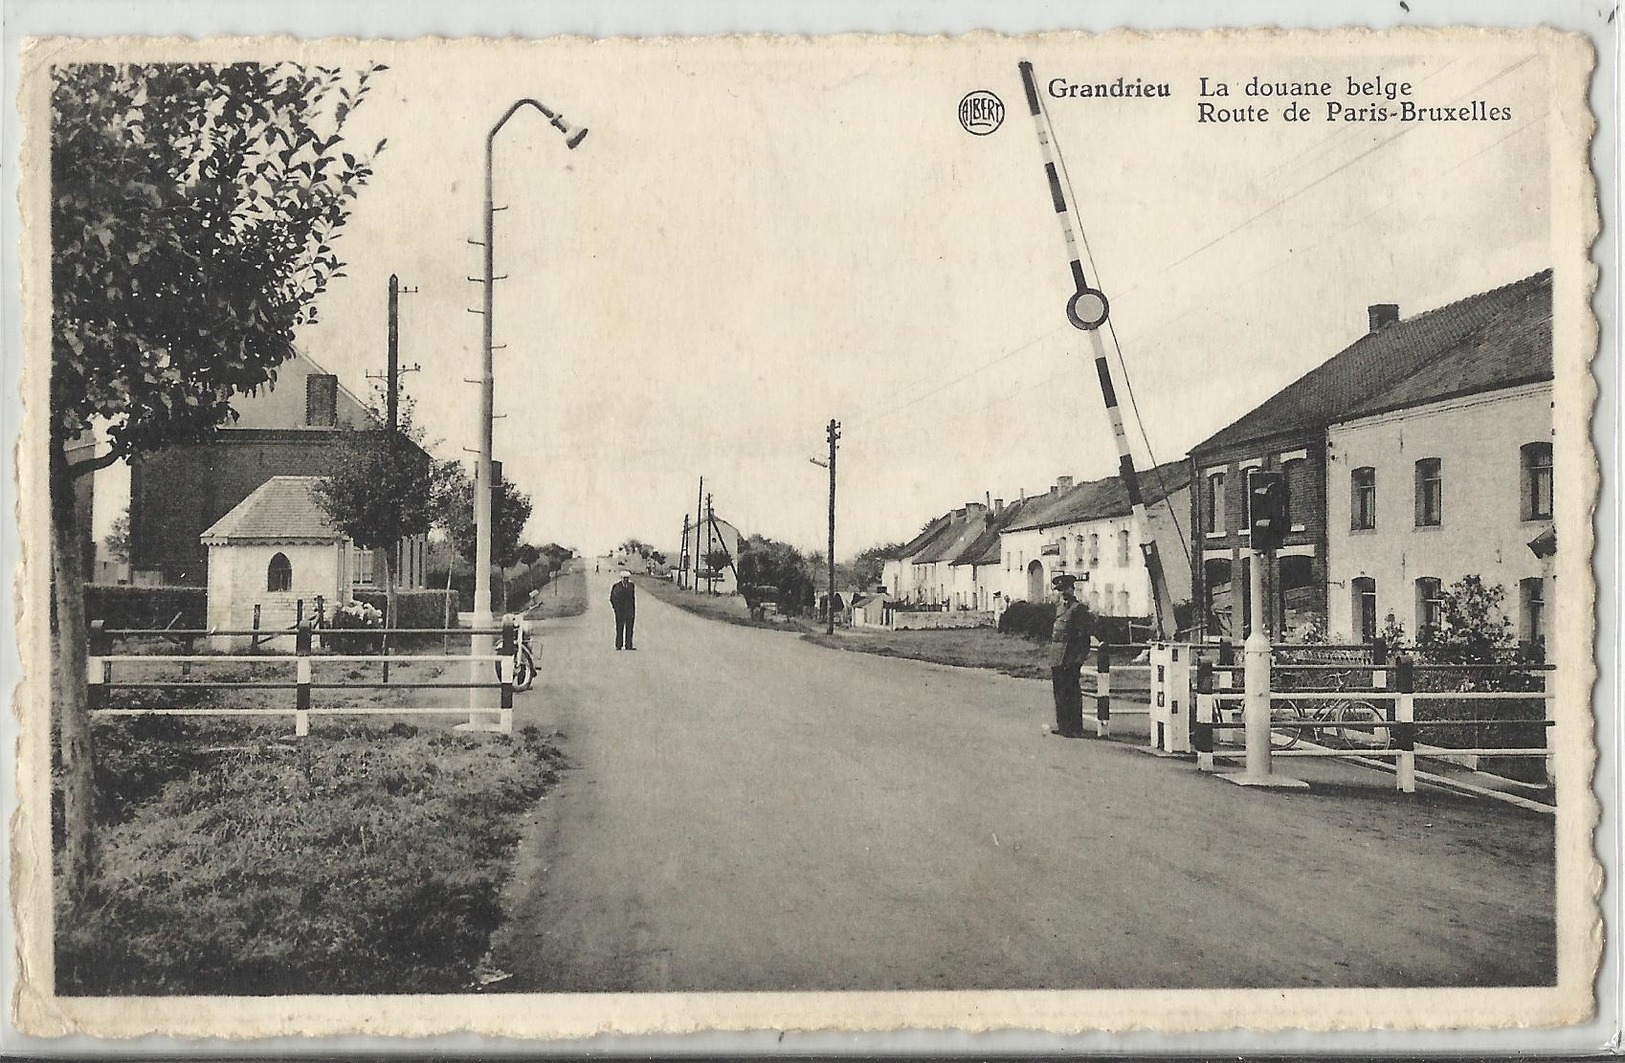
(1088, 309)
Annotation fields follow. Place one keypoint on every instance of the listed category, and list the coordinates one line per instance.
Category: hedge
(424, 608)
(1036, 620)
(119, 605)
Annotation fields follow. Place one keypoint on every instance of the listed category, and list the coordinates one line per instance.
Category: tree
(635, 548)
(1472, 629)
(510, 509)
(118, 538)
(869, 566)
(193, 214)
(381, 491)
(765, 562)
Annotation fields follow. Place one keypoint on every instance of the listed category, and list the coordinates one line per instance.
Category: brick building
(288, 429)
(1288, 433)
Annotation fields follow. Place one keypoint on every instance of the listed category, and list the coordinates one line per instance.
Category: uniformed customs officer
(1069, 646)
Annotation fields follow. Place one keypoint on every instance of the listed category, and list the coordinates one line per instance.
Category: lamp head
(573, 134)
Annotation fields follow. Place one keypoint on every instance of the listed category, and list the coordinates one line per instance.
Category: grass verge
(565, 595)
(728, 608)
(235, 861)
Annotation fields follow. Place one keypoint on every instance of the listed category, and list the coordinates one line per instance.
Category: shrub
(361, 863)
(119, 606)
(424, 608)
(349, 628)
(1033, 620)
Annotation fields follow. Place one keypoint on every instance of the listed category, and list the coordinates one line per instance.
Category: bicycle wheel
(1284, 737)
(524, 672)
(1364, 737)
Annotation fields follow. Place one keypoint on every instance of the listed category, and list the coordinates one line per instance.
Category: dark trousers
(623, 631)
(1068, 699)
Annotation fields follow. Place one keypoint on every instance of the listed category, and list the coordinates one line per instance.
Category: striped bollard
(1103, 692)
(98, 667)
(1405, 725)
(301, 693)
(1202, 728)
(510, 650)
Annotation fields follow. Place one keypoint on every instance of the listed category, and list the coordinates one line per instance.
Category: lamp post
(481, 645)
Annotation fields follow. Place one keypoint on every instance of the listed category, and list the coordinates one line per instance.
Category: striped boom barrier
(1103, 692)
(1088, 310)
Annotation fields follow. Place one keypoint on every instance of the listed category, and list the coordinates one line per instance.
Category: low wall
(905, 621)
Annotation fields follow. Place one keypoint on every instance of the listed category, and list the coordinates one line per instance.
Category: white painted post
(1256, 680)
(1203, 737)
(1103, 692)
(1405, 726)
(301, 696)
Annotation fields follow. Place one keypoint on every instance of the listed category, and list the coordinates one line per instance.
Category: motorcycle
(524, 659)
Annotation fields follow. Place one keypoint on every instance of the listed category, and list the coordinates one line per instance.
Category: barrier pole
(510, 648)
(1202, 731)
(301, 694)
(1103, 692)
(1404, 735)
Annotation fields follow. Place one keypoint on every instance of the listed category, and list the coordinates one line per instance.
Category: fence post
(1379, 661)
(254, 639)
(510, 649)
(1405, 725)
(1103, 691)
(301, 694)
(1202, 730)
(99, 667)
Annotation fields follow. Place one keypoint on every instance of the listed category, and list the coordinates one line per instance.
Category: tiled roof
(962, 529)
(1101, 499)
(928, 535)
(1490, 340)
(282, 509)
(986, 549)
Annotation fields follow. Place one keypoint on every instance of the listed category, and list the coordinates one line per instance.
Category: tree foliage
(1472, 627)
(765, 562)
(868, 567)
(193, 216)
(455, 512)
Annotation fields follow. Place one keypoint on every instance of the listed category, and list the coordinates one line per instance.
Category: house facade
(1088, 530)
(1447, 474)
(290, 428)
(271, 552)
(1290, 433)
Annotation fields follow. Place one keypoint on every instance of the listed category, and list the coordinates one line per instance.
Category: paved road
(747, 811)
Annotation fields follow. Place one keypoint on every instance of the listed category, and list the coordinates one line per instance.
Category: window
(279, 574)
(1108, 597)
(1247, 501)
(1216, 582)
(1429, 606)
(1213, 518)
(1429, 493)
(1365, 608)
(1122, 603)
(1094, 602)
(1292, 477)
(1536, 486)
(321, 400)
(1094, 551)
(1531, 613)
(1299, 594)
(1122, 548)
(1363, 499)
(361, 568)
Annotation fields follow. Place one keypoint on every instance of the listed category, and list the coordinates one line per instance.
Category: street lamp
(481, 645)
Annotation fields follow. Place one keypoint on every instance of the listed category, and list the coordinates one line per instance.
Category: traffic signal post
(1269, 520)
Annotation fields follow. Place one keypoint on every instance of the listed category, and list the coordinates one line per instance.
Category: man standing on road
(1069, 645)
(623, 598)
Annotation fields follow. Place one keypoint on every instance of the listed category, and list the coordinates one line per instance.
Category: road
(747, 811)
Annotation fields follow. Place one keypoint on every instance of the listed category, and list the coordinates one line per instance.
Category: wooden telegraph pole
(682, 554)
(710, 531)
(834, 432)
(699, 515)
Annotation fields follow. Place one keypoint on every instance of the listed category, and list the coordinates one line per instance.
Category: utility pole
(682, 554)
(710, 527)
(393, 369)
(834, 432)
(699, 515)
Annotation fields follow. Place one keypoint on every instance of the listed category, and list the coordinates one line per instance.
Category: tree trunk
(389, 602)
(69, 696)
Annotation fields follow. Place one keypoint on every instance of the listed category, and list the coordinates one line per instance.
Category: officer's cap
(1063, 581)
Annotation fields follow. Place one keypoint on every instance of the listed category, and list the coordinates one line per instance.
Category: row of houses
(1416, 455)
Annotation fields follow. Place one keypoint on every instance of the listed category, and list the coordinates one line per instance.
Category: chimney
(998, 506)
(1382, 314)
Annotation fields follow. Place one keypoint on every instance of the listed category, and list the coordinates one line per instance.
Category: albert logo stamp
(981, 112)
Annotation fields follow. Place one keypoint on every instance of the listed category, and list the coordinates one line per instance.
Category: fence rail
(102, 682)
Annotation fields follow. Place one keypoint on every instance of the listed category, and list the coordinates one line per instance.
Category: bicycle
(1338, 723)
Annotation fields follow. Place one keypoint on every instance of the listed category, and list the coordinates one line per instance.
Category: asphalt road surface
(747, 811)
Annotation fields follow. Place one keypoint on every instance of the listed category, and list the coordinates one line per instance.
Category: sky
(755, 238)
